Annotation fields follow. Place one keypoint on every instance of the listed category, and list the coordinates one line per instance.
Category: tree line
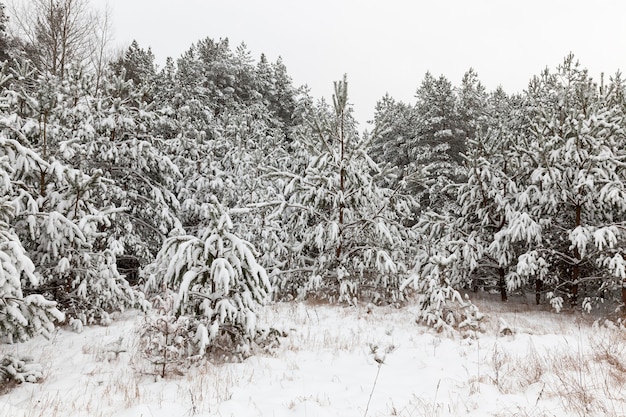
(212, 185)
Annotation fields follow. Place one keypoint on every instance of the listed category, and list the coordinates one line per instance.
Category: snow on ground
(551, 365)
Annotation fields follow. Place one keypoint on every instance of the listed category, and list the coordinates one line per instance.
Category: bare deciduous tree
(58, 33)
(101, 53)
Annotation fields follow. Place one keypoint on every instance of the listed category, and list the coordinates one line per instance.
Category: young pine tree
(216, 280)
(347, 235)
(21, 316)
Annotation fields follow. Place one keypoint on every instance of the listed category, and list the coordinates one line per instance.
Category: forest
(204, 189)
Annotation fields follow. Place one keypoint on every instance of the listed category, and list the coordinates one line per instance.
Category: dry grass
(584, 371)
(559, 363)
(419, 407)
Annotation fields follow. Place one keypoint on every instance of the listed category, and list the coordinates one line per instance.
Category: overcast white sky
(388, 45)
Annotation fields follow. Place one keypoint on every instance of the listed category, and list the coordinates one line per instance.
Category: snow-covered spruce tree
(346, 235)
(20, 316)
(217, 281)
(575, 187)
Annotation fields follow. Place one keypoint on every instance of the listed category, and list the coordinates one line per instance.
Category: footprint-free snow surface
(341, 361)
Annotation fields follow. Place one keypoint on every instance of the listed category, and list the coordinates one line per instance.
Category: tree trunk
(502, 285)
(538, 289)
(44, 154)
(575, 277)
(576, 267)
(341, 183)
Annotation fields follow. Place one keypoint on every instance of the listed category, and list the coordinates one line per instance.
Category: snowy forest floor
(567, 364)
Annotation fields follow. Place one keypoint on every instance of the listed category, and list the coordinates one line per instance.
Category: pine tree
(21, 316)
(543, 202)
(472, 106)
(346, 235)
(575, 187)
(440, 273)
(4, 37)
(440, 142)
(487, 206)
(137, 64)
(62, 215)
(394, 145)
(120, 144)
(217, 280)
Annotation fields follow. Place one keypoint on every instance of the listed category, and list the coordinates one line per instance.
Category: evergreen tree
(487, 206)
(346, 235)
(543, 202)
(440, 142)
(472, 106)
(116, 140)
(136, 64)
(283, 102)
(439, 274)
(217, 279)
(4, 37)
(65, 214)
(394, 145)
(21, 316)
(574, 188)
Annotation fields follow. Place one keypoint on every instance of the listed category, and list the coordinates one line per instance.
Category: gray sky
(387, 46)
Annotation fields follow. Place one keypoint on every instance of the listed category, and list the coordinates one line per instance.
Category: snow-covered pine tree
(440, 143)
(393, 144)
(439, 275)
(5, 43)
(115, 137)
(217, 280)
(224, 152)
(136, 64)
(20, 316)
(487, 200)
(543, 204)
(346, 235)
(425, 141)
(398, 126)
(284, 98)
(575, 187)
(484, 201)
(464, 248)
(59, 217)
(220, 134)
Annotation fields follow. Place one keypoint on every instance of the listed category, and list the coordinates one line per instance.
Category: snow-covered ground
(551, 365)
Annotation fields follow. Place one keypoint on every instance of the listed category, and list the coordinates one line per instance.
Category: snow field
(549, 365)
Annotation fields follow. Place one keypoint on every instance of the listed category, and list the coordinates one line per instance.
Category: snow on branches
(217, 281)
(347, 233)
